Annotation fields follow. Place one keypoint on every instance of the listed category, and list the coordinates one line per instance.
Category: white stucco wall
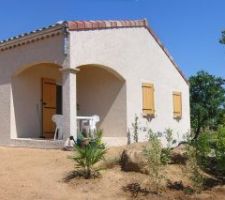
(136, 56)
(100, 92)
(14, 61)
(5, 96)
(131, 52)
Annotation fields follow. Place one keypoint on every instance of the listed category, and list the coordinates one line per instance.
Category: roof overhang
(31, 37)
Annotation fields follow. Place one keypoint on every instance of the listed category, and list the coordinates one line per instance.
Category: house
(114, 69)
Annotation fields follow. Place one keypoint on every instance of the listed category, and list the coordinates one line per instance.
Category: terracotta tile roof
(103, 24)
(88, 25)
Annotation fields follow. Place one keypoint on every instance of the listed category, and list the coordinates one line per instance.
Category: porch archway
(102, 91)
(27, 102)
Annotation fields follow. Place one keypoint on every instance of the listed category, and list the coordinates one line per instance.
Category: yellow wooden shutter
(177, 105)
(148, 99)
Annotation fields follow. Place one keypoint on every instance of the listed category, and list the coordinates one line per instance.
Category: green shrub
(135, 128)
(192, 168)
(203, 144)
(165, 156)
(208, 153)
(219, 149)
(203, 149)
(87, 156)
(152, 153)
(169, 137)
(210, 146)
(166, 152)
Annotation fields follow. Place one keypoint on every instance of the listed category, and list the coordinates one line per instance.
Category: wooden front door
(48, 107)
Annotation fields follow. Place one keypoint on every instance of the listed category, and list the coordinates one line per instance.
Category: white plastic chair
(58, 120)
(88, 123)
(94, 120)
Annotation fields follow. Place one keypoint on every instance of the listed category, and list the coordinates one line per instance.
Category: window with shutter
(148, 106)
(177, 105)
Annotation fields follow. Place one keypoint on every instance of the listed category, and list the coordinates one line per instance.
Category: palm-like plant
(87, 156)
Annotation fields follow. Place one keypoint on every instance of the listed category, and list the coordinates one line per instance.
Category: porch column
(69, 103)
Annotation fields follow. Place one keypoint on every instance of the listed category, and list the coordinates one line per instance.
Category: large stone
(178, 154)
(133, 159)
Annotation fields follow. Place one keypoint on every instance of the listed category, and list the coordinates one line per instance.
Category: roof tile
(88, 25)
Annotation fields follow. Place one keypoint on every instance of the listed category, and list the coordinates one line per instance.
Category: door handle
(44, 103)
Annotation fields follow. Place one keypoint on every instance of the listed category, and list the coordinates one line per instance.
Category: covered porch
(43, 90)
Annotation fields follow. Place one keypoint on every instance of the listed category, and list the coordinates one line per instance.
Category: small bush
(203, 149)
(135, 128)
(193, 170)
(165, 156)
(87, 156)
(219, 149)
(152, 153)
(169, 137)
(210, 147)
(166, 152)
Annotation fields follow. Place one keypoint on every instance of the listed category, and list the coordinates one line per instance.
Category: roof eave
(31, 36)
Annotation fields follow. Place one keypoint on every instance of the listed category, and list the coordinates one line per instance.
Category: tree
(222, 40)
(207, 98)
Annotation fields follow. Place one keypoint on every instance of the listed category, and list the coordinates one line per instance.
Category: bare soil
(37, 174)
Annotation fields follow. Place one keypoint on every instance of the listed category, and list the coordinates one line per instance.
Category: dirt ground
(37, 174)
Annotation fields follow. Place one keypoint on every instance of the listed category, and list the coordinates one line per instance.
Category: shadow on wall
(26, 91)
(101, 92)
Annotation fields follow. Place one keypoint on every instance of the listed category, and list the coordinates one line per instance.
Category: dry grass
(36, 174)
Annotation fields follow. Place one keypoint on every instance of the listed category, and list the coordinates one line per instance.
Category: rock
(178, 155)
(180, 149)
(132, 159)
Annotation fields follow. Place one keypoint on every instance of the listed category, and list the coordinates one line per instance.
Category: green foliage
(166, 152)
(193, 170)
(208, 153)
(188, 190)
(169, 137)
(165, 156)
(210, 146)
(152, 153)
(98, 138)
(219, 149)
(222, 40)
(202, 145)
(135, 128)
(87, 156)
(207, 98)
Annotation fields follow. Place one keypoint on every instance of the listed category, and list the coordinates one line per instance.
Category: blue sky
(190, 29)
